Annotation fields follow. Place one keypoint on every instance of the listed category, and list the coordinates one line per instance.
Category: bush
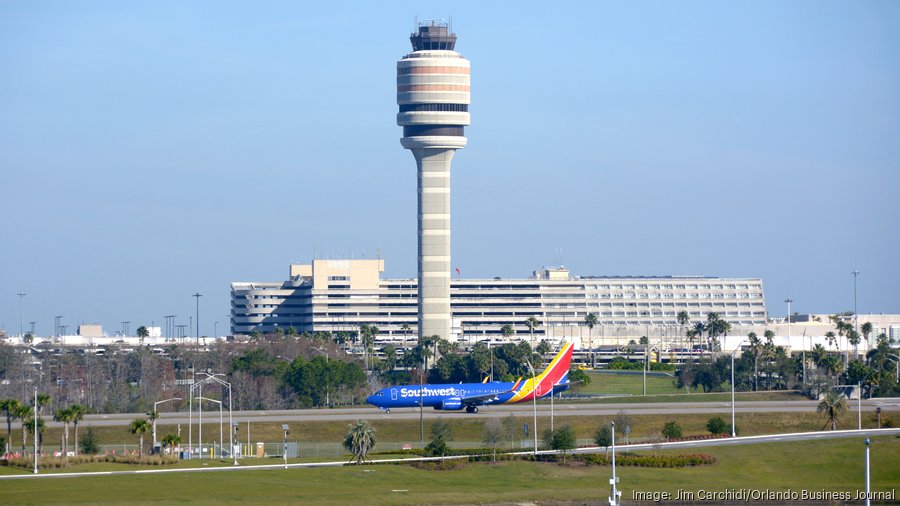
(437, 447)
(603, 437)
(717, 426)
(671, 430)
(88, 442)
(687, 460)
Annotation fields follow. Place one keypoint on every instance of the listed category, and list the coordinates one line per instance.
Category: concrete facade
(433, 97)
(626, 307)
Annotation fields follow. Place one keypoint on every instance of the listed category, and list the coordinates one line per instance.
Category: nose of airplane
(371, 399)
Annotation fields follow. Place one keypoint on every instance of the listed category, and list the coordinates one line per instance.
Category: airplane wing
(481, 399)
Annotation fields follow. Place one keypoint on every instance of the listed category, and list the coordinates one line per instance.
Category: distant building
(91, 330)
(341, 295)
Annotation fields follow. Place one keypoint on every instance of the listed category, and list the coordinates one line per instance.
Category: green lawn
(835, 465)
(619, 383)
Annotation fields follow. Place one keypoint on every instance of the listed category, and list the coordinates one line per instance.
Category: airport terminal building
(340, 295)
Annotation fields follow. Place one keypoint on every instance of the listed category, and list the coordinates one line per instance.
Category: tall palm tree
(64, 415)
(866, 329)
(360, 439)
(507, 331)
(697, 332)
(140, 426)
(590, 320)
(831, 338)
(78, 412)
(683, 318)
(143, 333)
(10, 407)
(153, 416)
(755, 348)
(24, 413)
(532, 323)
(834, 405)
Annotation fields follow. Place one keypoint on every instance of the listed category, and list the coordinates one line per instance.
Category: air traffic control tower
(433, 95)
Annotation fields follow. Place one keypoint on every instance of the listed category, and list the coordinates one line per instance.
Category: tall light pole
(534, 394)
(614, 494)
(22, 313)
(286, 430)
(868, 489)
(157, 403)
(788, 301)
(855, 274)
(733, 353)
(35, 431)
(197, 297)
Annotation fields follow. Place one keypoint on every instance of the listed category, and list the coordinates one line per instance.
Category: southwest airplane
(454, 397)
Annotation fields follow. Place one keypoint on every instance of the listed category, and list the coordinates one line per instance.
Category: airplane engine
(451, 404)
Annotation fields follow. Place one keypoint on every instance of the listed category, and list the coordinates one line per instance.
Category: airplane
(468, 396)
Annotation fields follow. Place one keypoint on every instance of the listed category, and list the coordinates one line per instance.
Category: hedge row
(59, 463)
(686, 460)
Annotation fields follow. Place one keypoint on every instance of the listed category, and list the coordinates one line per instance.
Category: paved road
(560, 409)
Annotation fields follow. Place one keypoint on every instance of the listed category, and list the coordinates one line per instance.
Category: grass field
(468, 427)
(835, 465)
(620, 383)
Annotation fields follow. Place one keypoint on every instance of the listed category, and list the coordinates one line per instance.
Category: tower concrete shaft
(433, 95)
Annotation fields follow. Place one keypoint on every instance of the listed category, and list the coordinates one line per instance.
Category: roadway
(524, 409)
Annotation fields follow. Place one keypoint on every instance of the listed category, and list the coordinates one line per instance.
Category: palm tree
(10, 407)
(360, 440)
(755, 347)
(590, 320)
(866, 329)
(24, 413)
(78, 412)
(697, 332)
(532, 322)
(831, 338)
(143, 333)
(28, 424)
(507, 331)
(683, 318)
(64, 415)
(153, 416)
(834, 405)
(171, 441)
(140, 427)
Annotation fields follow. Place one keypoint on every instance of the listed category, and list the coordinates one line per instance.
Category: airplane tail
(544, 383)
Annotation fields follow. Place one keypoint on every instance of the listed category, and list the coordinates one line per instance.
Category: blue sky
(151, 150)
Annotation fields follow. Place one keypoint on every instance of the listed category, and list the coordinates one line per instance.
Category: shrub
(717, 426)
(437, 447)
(671, 430)
(88, 442)
(603, 437)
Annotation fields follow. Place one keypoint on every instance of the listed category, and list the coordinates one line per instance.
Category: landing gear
(471, 409)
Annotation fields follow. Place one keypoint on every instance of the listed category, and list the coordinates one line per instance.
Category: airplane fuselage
(468, 396)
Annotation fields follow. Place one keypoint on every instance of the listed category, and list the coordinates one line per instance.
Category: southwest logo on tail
(555, 378)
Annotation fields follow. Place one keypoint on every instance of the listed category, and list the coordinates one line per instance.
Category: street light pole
(22, 313)
(286, 430)
(534, 394)
(614, 493)
(868, 489)
(855, 274)
(35, 431)
(197, 297)
(155, 411)
(733, 353)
